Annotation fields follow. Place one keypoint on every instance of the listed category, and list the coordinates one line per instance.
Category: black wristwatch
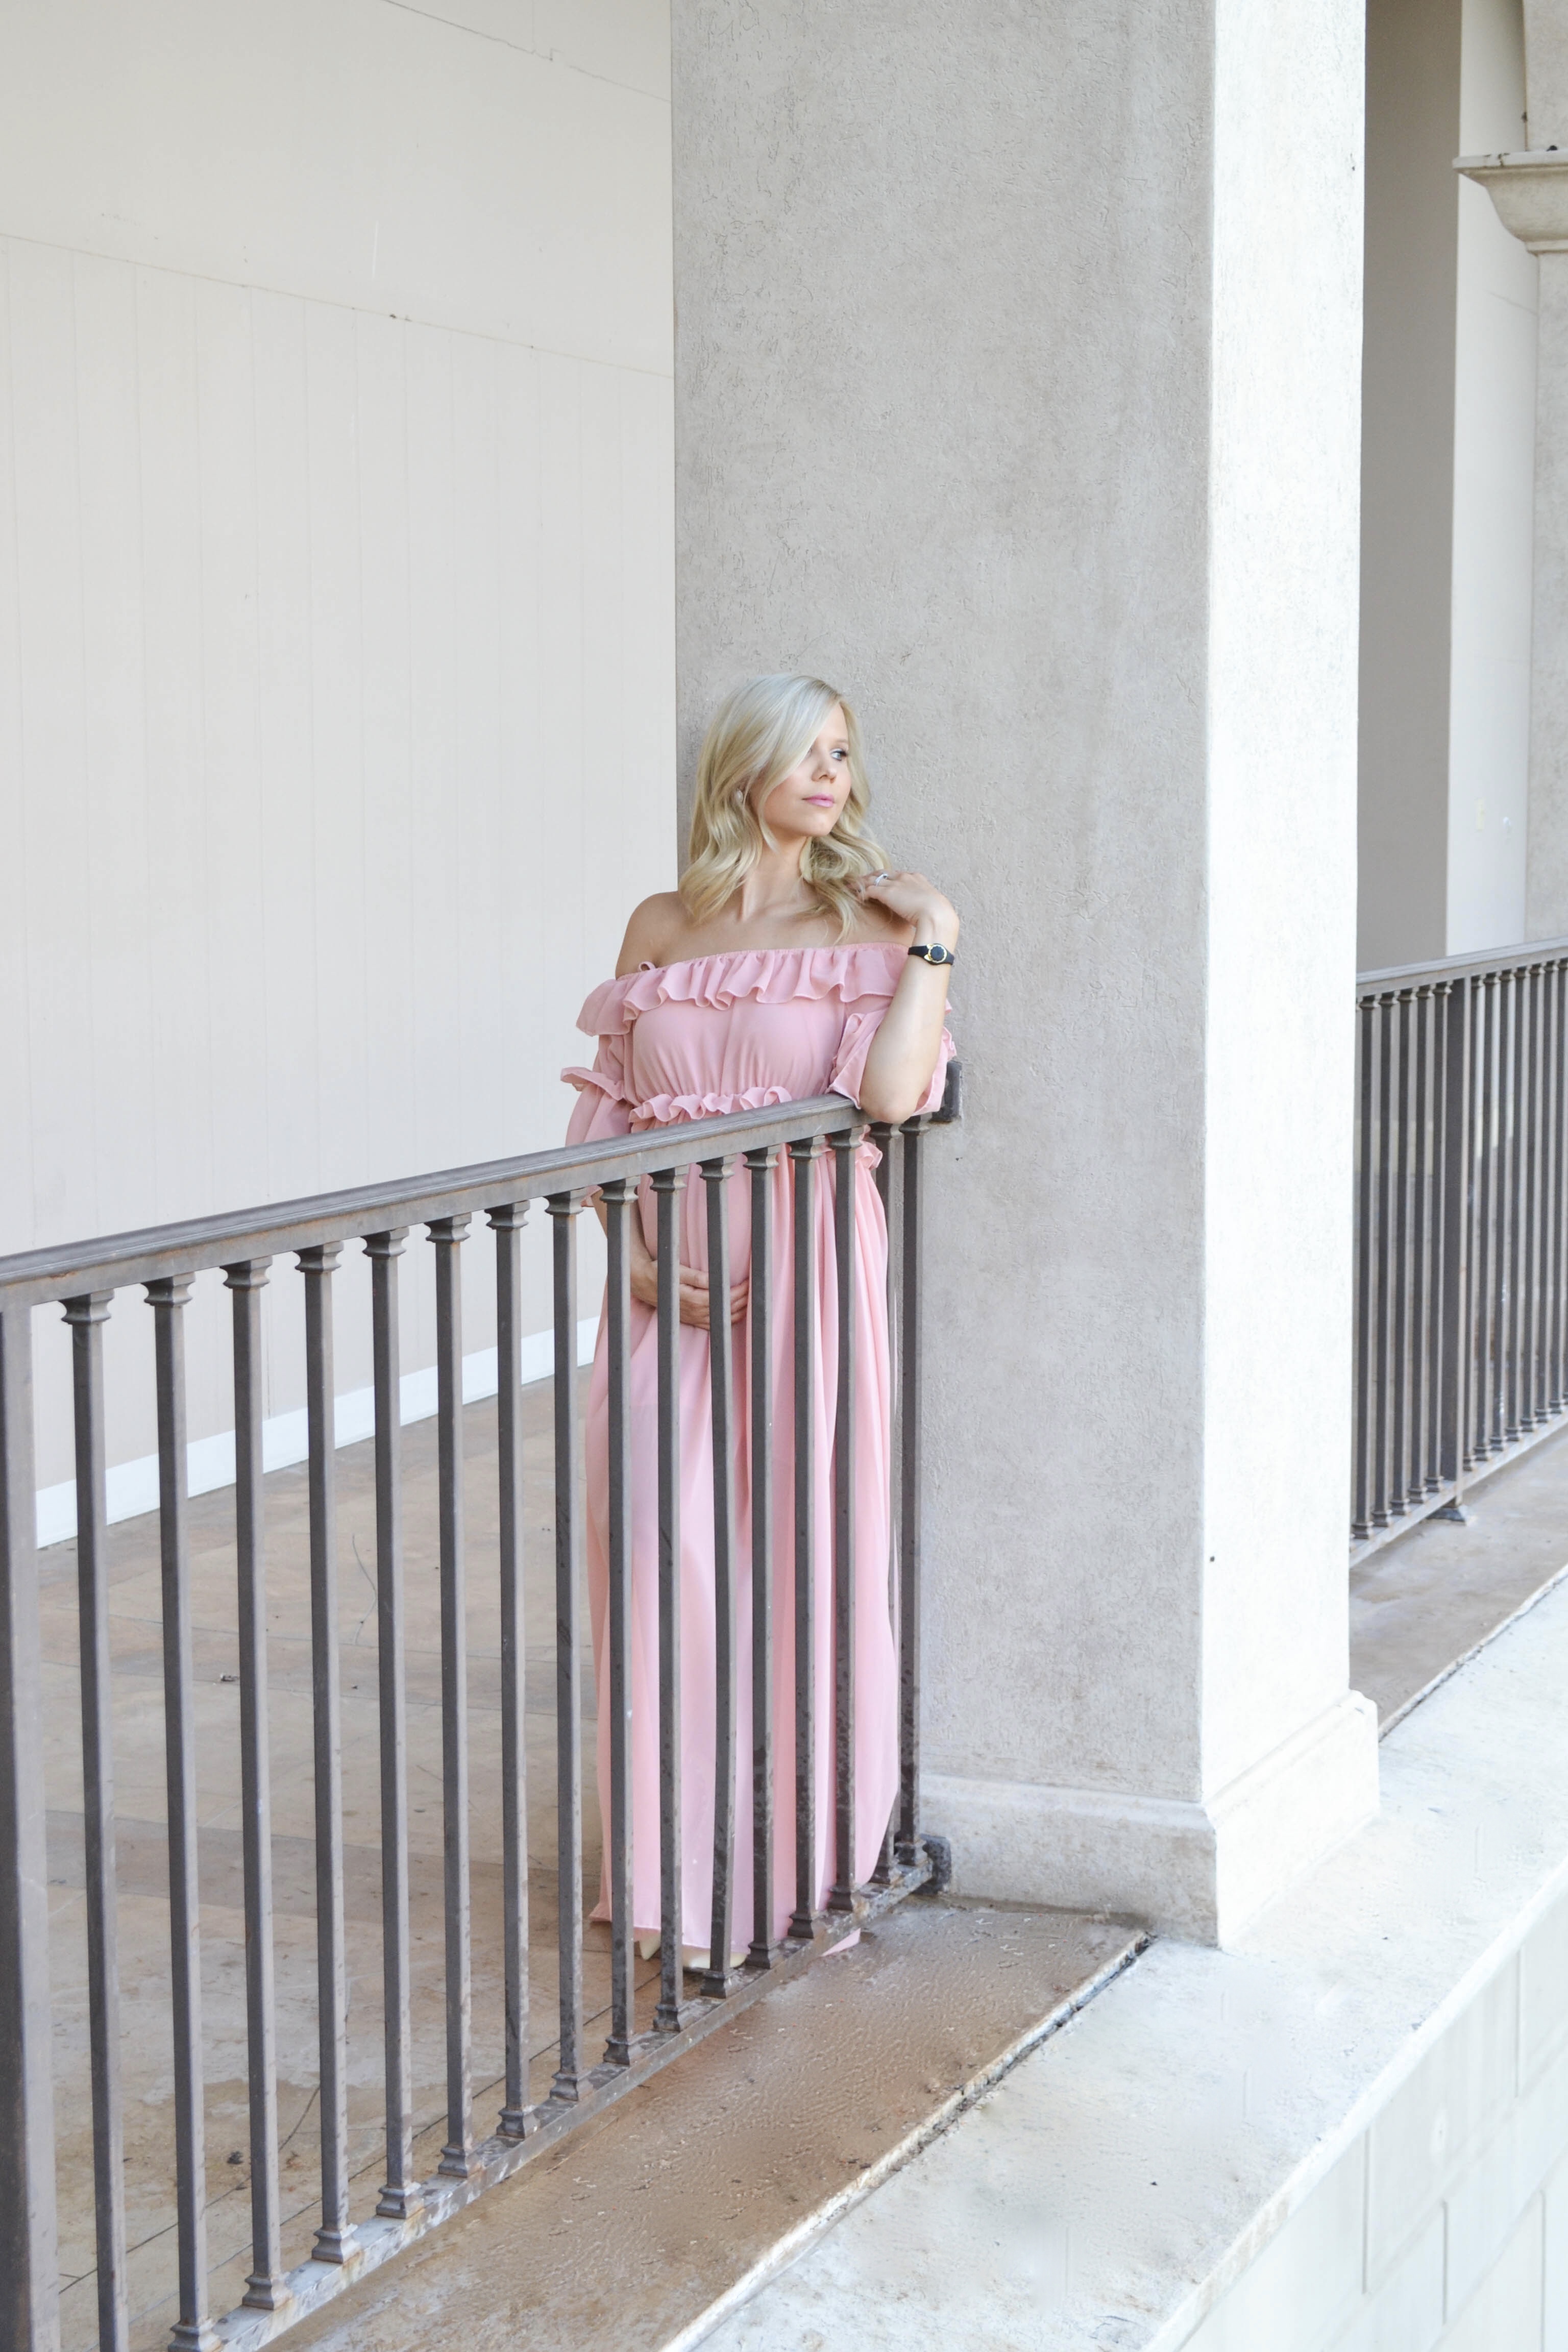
(933, 954)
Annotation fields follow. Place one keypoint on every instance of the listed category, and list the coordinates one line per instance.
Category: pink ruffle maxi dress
(724, 1033)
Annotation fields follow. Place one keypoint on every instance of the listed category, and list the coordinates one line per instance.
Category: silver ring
(878, 877)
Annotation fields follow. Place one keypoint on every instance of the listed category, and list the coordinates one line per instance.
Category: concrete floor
(1426, 1600)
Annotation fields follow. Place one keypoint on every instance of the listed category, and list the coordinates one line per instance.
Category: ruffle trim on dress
(771, 975)
(666, 1110)
(583, 1079)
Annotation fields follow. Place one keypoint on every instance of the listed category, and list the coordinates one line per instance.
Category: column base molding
(1200, 1869)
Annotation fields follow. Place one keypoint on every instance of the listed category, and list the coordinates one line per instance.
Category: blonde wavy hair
(759, 733)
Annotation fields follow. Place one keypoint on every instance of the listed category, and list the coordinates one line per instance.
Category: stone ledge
(1183, 2140)
(640, 2228)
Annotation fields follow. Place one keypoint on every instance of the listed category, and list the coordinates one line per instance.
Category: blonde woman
(789, 963)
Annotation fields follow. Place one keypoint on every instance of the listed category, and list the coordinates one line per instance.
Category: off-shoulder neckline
(722, 955)
(772, 975)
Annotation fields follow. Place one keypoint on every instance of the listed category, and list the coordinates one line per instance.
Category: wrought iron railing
(1461, 1247)
(362, 2220)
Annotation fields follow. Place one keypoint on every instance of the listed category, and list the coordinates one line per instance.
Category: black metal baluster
(1524, 1195)
(1365, 1378)
(1545, 1114)
(1422, 1199)
(1535, 1399)
(1432, 1400)
(1513, 1204)
(1443, 1000)
(29, 2266)
(87, 1317)
(1456, 1355)
(508, 1225)
(842, 1897)
(193, 2330)
(722, 1977)
(1559, 1201)
(1475, 1224)
(1417, 1110)
(1401, 1138)
(911, 1233)
(1551, 1266)
(1522, 1414)
(620, 1199)
(667, 1185)
(335, 2239)
(885, 1138)
(1386, 1178)
(571, 2072)
(265, 2289)
(765, 1945)
(400, 2198)
(1520, 1208)
(1558, 1204)
(1513, 1198)
(1446, 1008)
(458, 2157)
(806, 1916)
(1485, 1259)
(1530, 1403)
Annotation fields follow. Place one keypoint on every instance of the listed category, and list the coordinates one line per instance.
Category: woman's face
(810, 800)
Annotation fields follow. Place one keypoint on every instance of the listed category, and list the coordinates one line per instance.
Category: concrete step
(643, 2230)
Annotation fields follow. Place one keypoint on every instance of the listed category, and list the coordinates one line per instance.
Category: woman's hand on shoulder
(932, 919)
(655, 926)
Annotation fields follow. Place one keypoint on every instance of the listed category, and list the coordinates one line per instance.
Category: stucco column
(1529, 190)
(1017, 375)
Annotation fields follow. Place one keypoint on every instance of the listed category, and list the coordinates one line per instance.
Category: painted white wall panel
(622, 41)
(1494, 507)
(359, 151)
(336, 694)
(1448, 491)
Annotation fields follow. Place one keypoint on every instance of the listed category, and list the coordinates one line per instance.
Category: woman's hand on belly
(693, 1286)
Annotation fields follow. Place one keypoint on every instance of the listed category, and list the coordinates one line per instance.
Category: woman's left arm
(904, 1053)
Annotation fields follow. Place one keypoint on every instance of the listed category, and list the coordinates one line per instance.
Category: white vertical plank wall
(336, 650)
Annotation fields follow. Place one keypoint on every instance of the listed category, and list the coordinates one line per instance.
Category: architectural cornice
(1529, 190)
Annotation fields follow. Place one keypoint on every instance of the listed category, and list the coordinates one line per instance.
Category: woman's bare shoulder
(655, 929)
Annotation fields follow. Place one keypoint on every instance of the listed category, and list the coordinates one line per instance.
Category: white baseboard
(132, 1486)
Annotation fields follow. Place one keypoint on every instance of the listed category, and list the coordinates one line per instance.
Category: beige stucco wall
(336, 706)
(995, 404)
